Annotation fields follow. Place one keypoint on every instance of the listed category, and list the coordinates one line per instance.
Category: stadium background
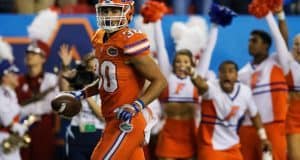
(77, 30)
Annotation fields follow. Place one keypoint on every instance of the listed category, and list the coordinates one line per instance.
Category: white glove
(19, 129)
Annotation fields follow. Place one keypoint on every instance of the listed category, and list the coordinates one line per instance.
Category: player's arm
(147, 68)
(65, 54)
(88, 91)
(284, 57)
(140, 60)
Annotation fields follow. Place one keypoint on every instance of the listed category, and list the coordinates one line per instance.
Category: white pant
(14, 155)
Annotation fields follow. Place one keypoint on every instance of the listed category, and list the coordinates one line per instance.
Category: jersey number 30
(109, 76)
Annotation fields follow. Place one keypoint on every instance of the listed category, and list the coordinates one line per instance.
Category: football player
(124, 65)
(87, 126)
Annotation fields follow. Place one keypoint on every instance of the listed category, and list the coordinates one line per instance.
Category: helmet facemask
(114, 21)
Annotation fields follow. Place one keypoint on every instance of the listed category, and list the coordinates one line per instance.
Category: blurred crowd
(178, 7)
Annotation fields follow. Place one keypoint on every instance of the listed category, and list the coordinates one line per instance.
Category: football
(66, 105)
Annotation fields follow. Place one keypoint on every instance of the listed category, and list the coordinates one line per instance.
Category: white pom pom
(193, 34)
(197, 21)
(6, 51)
(177, 30)
(43, 25)
(191, 40)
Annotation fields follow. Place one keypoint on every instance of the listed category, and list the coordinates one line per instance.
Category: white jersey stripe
(137, 47)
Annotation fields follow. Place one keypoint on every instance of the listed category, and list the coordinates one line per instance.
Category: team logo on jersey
(112, 51)
(255, 77)
(126, 127)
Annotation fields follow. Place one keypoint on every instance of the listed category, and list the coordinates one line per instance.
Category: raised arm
(283, 30)
(282, 24)
(162, 54)
(219, 16)
(65, 55)
(205, 59)
(284, 57)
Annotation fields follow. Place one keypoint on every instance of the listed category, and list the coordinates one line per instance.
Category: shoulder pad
(98, 37)
(136, 42)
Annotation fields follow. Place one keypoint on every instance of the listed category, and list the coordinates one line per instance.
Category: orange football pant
(118, 145)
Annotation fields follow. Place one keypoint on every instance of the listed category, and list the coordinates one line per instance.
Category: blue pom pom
(221, 15)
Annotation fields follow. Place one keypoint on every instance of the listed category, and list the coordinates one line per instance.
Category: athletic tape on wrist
(136, 107)
(140, 103)
(262, 133)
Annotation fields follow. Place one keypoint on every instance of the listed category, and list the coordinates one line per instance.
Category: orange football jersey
(120, 83)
